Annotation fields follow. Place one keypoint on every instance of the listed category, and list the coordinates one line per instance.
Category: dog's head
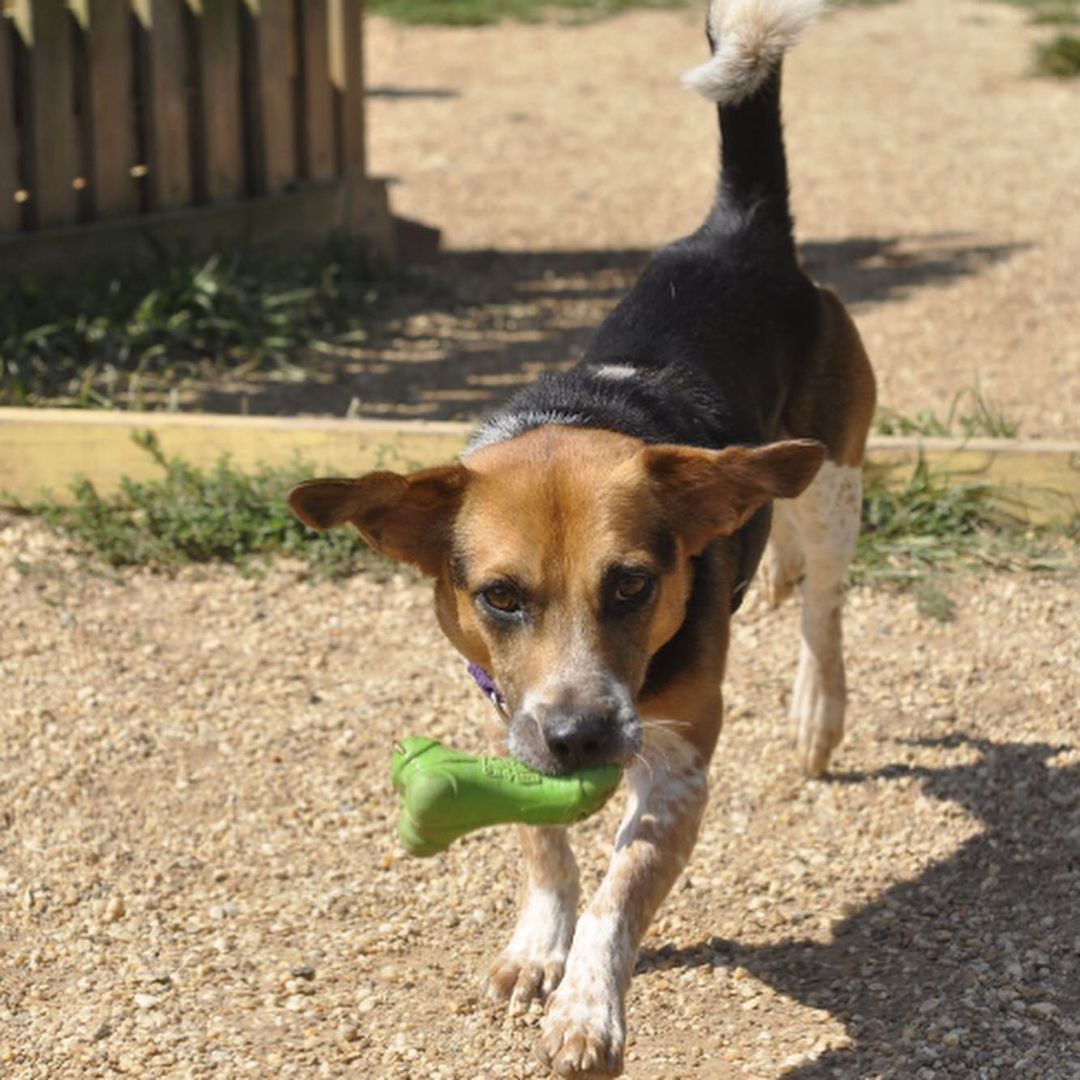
(562, 562)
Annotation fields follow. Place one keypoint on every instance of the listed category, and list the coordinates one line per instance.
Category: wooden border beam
(48, 448)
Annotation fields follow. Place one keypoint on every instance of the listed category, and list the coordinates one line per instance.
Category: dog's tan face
(562, 561)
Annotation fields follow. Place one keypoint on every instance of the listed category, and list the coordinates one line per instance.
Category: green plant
(131, 339)
(191, 515)
(1060, 57)
(970, 414)
(914, 534)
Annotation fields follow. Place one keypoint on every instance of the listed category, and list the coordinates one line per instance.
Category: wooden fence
(122, 110)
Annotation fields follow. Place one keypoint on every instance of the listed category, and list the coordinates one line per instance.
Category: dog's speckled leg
(532, 963)
(584, 1030)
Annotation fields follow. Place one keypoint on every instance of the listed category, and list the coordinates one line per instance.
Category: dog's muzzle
(571, 728)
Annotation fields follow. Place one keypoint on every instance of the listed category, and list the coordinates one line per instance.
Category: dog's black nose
(579, 742)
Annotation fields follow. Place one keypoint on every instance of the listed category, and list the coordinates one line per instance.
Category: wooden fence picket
(112, 114)
(272, 98)
(168, 118)
(9, 180)
(53, 137)
(350, 37)
(222, 148)
(318, 103)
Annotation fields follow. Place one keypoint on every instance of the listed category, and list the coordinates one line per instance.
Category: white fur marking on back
(616, 371)
(749, 36)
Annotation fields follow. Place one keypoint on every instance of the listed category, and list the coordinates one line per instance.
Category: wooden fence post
(219, 33)
(9, 181)
(167, 114)
(112, 114)
(353, 138)
(271, 94)
(53, 156)
(318, 121)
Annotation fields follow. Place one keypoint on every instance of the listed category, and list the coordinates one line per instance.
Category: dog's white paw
(519, 979)
(583, 1034)
(531, 965)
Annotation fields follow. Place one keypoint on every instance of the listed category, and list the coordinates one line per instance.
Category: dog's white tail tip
(749, 38)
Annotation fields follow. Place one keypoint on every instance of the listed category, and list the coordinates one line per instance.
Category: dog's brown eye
(633, 586)
(504, 599)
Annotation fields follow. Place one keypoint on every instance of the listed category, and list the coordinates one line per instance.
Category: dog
(589, 547)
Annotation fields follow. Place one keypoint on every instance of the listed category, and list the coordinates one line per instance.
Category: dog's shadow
(972, 964)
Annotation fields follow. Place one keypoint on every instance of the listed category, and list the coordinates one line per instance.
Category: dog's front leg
(584, 1031)
(532, 963)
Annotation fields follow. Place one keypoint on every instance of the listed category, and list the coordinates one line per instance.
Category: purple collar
(487, 685)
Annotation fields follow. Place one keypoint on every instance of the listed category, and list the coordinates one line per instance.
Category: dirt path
(935, 184)
(198, 870)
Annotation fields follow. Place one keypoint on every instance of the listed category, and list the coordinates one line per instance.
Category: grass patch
(132, 339)
(486, 12)
(970, 415)
(914, 536)
(192, 515)
(1060, 57)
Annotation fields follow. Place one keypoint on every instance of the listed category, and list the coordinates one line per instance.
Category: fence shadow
(984, 945)
(485, 322)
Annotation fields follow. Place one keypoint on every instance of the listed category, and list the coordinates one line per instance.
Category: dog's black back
(706, 345)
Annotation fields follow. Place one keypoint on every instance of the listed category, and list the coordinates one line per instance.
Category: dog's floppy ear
(711, 493)
(407, 518)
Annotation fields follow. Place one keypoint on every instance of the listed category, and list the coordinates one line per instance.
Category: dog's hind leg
(826, 517)
(783, 563)
(834, 403)
(531, 965)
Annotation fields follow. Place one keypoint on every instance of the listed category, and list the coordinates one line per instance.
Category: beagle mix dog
(590, 546)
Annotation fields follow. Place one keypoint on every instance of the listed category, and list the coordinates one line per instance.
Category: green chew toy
(446, 794)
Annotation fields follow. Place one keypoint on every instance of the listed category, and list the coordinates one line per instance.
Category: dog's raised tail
(748, 39)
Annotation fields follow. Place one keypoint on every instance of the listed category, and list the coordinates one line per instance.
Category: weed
(125, 339)
(1060, 57)
(971, 414)
(931, 602)
(191, 515)
(913, 535)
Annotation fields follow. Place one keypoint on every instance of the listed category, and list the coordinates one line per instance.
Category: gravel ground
(198, 870)
(934, 182)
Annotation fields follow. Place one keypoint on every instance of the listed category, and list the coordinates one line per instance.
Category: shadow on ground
(458, 338)
(915, 975)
